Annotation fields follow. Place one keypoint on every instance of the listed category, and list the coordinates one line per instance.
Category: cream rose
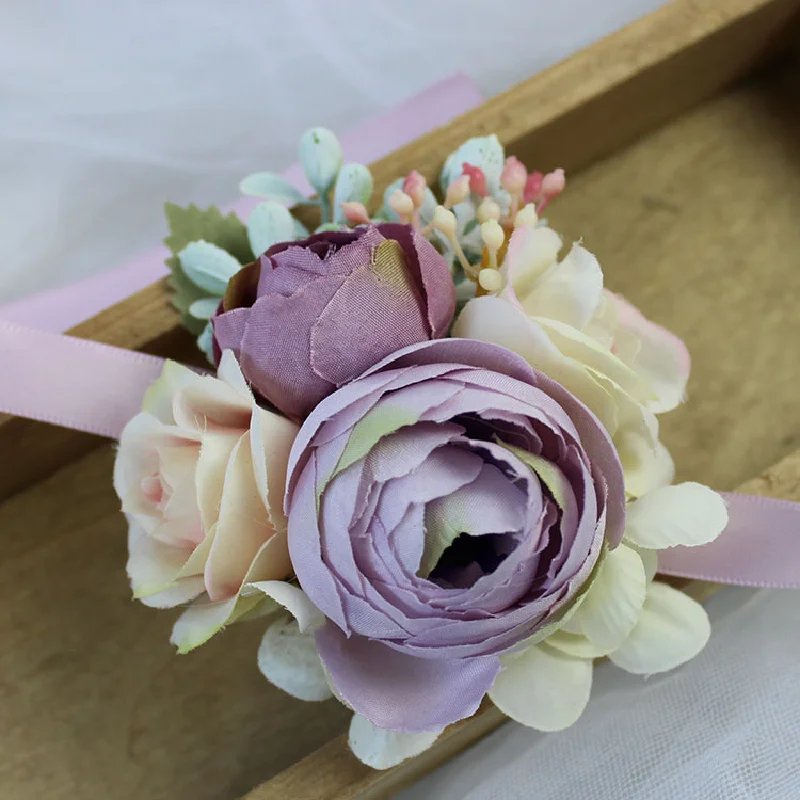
(558, 317)
(201, 473)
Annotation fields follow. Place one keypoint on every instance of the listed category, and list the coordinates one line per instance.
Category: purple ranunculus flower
(309, 316)
(443, 508)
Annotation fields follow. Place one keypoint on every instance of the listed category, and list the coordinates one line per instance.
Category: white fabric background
(109, 108)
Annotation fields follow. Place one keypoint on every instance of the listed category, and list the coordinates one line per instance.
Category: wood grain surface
(696, 223)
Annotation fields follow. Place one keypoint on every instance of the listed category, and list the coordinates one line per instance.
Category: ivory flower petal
(672, 629)
(649, 559)
(655, 353)
(543, 688)
(294, 600)
(614, 601)
(382, 749)
(686, 514)
(568, 291)
(531, 252)
(575, 645)
(288, 659)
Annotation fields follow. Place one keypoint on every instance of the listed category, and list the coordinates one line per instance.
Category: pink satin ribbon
(92, 387)
(75, 383)
(759, 547)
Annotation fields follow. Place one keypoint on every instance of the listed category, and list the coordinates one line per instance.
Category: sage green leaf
(353, 185)
(191, 224)
(204, 308)
(321, 157)
(270, 186)
(268, 224)
(209, 266)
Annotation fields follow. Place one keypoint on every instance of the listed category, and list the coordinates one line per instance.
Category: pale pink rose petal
(211, 403)
(662, 359)
(230, 372)
(159, 397)
(177, 458)
(153, 568)
(244, 526)
(271, 439)
(212, 463)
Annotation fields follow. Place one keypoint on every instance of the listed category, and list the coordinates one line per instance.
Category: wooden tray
(681, 136)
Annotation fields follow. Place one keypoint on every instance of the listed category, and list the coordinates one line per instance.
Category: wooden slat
(569, 115)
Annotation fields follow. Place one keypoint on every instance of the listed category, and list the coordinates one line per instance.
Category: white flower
(642, 625)
(382, 749)
(201, 473)
(556, 315)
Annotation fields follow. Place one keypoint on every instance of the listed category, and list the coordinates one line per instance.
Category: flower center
(469, 558)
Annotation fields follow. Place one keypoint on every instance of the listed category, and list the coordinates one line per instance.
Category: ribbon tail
(760, 547)
(75, 383)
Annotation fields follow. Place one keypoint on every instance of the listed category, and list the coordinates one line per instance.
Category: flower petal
(543, 688)
(649, 559)
(686, 514)
(271, 439)
(288, 659)
(531, 252)
(400, 692)
(244, 528)
(294, 600)
(661, 357)
(200, 621)
(154, 568)
(158, 398)
(575, 645)
(493, 319)
(230, 372)
(380, 748)
(569, 291)
(614, 601)
(673, 628)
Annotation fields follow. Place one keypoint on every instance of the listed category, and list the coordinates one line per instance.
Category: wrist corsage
(428, 459)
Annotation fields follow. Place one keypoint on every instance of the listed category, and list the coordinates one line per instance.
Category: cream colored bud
(444, 221)
(488, 209)
(527, 216)
(492, 234)
(401, 203)
(490, 280)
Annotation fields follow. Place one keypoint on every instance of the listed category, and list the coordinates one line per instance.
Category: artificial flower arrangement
(428, 460)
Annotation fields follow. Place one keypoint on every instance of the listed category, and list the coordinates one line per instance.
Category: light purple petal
(400, 692)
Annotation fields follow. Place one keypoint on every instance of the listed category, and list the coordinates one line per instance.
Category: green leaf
(193, 223)
(268, 224)
(190, 225)
(272, 187)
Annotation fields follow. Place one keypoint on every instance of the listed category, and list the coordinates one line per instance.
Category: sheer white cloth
(722, 727)
(107, 109)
